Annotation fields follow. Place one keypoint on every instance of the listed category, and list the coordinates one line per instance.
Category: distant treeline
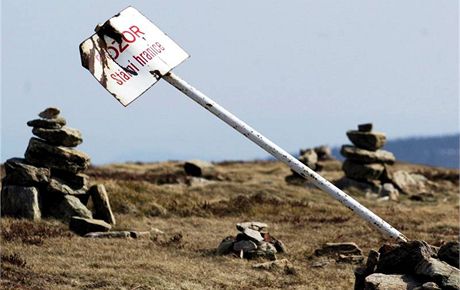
(440, 151)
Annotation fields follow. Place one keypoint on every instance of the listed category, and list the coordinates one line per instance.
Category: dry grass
(196, 218)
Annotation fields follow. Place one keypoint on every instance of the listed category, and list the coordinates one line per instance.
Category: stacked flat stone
(49, 181)
(366, 161)
(252, 241)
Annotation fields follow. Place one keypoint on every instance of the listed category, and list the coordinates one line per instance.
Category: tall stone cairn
(49, 181)
(366, 162)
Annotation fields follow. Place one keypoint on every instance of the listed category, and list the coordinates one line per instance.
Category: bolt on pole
(282, 156)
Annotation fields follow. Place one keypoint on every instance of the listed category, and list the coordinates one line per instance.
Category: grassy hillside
(195, 218)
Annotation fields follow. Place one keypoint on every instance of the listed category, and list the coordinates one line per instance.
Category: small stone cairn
(252, 241)
(367, 163)
(49, 181)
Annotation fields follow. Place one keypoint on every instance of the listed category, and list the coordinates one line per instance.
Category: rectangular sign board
(128, 54)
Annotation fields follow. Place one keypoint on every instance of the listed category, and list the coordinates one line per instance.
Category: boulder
(140, 235)
(257, 226)
(68, 206)
(367, 127)
(389, 190)
(379, 281)
(101, 204)
(309, 158)
(449, 253)
(64, 136)
(109, 235)
(367, 140)
(18, 172)
(245, 246)
(79, 180)
(365, 156)
(57, 186)
(20, 202)
(226, 246)
(403, 257)
(55, 123)
(253, 235)
(428, 286)
(82, 226)
(362, 171)
(443, 274)
(49, 113)
(199, 168)
(56, 157)
(324, 153)
(409, 183)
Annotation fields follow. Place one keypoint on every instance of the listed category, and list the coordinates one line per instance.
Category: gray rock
(428, 286)
(403, 257)
(79, 180)
(334, 249)
(20, 202)
(379, 281)
(109, 235)
(57, 186)
(350, 259)
(409, 183)
(309, 158)
(56, 157)
(367, 127)
(82, 226)
(324, 153)
(101, 204)
(362, 171)
(443, 274)
(367, 140)
(372, 261)
(56, 123)
(50, 113)
(68, 206)
(449, 253)
(257, 226)
(18, 172)
(267, 247)
(389, 190)
(140, 235)
(244, 245)
(64, 136)
(226, 246)
(365, 156)
(253, 235)
(199, 168)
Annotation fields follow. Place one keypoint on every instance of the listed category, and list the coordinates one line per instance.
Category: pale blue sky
(300, 72)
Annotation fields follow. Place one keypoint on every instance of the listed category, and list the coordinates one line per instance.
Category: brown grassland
(195, 218)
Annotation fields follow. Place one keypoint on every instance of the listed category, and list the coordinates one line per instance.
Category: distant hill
(435, 151)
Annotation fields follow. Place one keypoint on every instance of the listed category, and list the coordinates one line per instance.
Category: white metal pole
(282, 155)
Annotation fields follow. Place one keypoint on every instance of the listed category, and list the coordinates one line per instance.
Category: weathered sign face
(128, 54)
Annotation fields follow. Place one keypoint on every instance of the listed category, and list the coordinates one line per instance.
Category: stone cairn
(367, 163)
(410, 265)
(252, 241)
(49, 181)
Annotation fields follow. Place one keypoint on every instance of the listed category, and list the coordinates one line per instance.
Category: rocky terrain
(188, 213)
(232, 225)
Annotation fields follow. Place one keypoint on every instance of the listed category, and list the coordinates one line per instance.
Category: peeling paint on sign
(128, 54)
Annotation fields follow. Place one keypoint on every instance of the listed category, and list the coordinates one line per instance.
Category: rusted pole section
(283, 156)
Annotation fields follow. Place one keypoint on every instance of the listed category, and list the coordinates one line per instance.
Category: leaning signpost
(128, 54)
